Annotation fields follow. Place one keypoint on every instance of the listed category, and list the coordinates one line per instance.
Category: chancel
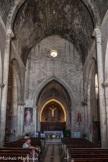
(54, 77)
(53, 116)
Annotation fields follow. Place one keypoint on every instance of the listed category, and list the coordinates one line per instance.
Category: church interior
(54, 78)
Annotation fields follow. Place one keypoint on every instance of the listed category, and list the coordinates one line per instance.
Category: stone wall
(92, 105)
(102, 6)
(12, 111)
(66, 66)
(5, 7)
(40, 67)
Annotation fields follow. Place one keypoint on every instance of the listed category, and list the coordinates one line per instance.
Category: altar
(53, 136)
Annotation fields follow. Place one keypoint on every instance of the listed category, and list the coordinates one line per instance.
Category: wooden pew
(34, 142)
(68, 143)
(19, 152)
(17, 146)
(20, 142)
(88, 155)
(101, 150)
(89, 160)
(82, 150)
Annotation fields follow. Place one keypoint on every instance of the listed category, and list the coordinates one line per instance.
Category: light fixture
(53, 53)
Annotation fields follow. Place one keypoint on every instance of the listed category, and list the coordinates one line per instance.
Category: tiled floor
(51, 153)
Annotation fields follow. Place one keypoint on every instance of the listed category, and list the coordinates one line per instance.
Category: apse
(54, 103)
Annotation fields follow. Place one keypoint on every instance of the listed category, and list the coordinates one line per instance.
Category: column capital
(97, 31)
(97, 35)
(2, 85)
(21, 103)
(84, 103)
(10, 32)
(105, 84)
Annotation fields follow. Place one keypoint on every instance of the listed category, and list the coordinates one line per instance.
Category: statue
(79, 119)
(52, 109)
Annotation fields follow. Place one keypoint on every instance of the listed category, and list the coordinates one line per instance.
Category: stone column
(34, 121)
(72, 122)
(101, 89)
(106, 101)
(68, 120)
(38, 121)
(20, 120)
(5, 88)
(0, 79)
(86, 122)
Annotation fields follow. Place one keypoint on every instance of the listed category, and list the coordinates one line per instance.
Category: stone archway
(53, 93)
(91, 102)
(90, 6)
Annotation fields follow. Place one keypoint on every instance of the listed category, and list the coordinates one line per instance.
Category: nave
(69, 150)
(54, 69)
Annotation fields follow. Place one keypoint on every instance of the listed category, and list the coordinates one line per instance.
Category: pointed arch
(90, 6)
(93, 11)
(58, 102)
(61, 82)
(55, 96)
(87, 77)
(13, 12)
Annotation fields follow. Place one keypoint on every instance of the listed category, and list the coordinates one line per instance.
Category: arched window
(96, 86)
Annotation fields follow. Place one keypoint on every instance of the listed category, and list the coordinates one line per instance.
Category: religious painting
(28, 116)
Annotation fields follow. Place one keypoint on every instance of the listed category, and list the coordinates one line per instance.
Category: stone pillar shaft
(101, 89)
(5, 88)
(68, 121)
(0, 79)
(106, 101)
(106, 92)
(20, 120)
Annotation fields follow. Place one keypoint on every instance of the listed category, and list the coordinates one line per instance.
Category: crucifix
(52, 109)
(79, 119)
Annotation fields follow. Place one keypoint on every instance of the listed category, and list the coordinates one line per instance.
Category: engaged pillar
(5, 87)
(101, 89)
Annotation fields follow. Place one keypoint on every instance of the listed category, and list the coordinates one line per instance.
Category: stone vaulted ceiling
(37, 19)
